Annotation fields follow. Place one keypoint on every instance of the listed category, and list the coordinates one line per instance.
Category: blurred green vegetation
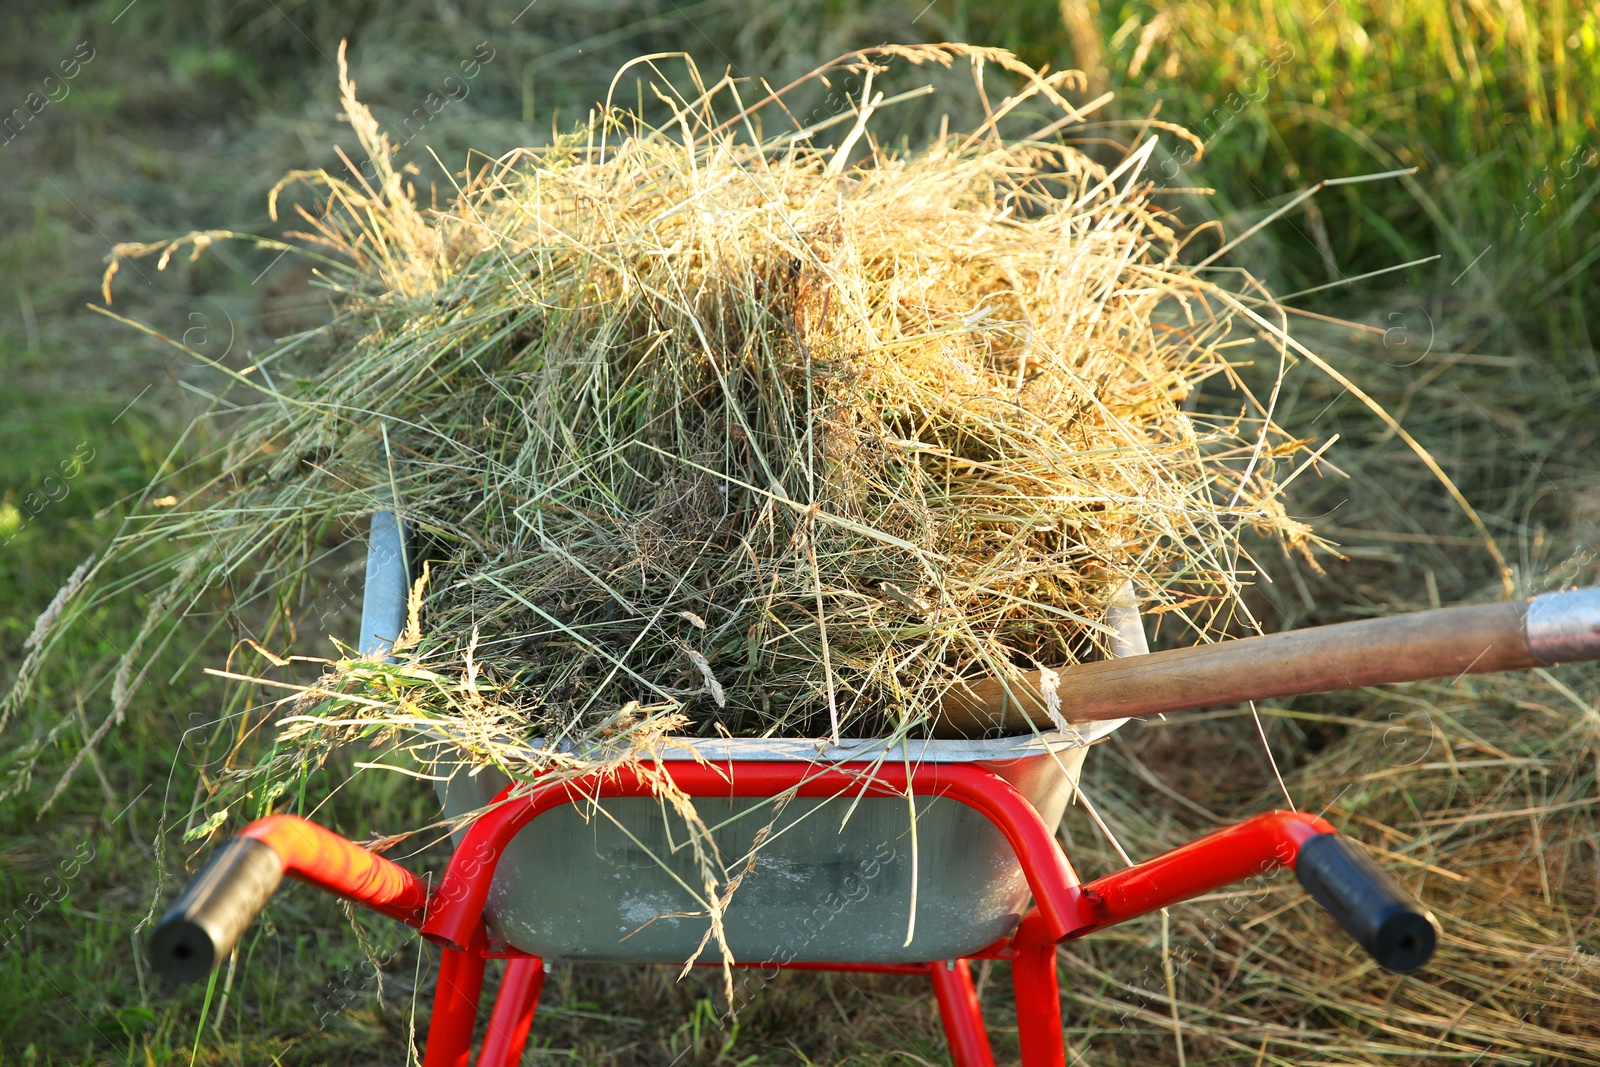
(1494, 105)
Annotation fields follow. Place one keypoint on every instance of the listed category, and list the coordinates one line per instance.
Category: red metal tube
(961, 1014)
(322, 858)
(457, 908)
(1037, 993)
(871, 968)
(512, 1017)
(1256, 846)
(455, 1009)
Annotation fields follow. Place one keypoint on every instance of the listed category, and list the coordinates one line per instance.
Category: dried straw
(704, 429)
(707, 429)
(698, 422)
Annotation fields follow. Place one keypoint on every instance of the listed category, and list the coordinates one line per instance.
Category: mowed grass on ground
(1479, 793)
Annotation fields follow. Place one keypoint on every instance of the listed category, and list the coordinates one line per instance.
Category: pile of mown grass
(704, 428)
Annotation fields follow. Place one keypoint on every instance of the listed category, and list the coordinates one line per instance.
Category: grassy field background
(1480, 793)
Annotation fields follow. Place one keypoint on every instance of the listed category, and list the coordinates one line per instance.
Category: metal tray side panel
(587, 884)
(822, 888)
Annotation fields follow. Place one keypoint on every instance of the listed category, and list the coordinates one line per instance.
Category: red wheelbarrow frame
(451, 915)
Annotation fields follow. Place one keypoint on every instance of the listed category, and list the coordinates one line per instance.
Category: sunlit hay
(781, 437)
(786, 444)
(704, 429)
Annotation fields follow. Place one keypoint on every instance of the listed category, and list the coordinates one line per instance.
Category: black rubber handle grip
(220, 903)
(1396, 931)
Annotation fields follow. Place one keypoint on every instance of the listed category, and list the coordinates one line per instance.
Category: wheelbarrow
(948, 854)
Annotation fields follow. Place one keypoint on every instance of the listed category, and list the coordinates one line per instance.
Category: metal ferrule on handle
(1564, 627)
(1443, 643)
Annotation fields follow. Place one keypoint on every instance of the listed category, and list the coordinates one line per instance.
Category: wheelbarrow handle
(219, 904)
(224, 898)
(1396, 931)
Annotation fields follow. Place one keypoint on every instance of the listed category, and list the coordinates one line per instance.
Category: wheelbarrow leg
(1033, 978)
(455, 1009)
(513, 1013)
(961, 1015)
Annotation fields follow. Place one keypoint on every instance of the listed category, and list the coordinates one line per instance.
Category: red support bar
(961, 1014)
(322, 858)
(872, 968)
(1037, 993)
(1256, 846)
(499, 950)
(455, 1009)
(457, 908)
(513, 1013)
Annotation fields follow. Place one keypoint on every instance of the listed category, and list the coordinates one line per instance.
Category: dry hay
(704, 429)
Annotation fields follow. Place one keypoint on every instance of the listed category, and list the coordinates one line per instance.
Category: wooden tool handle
(1445, 642)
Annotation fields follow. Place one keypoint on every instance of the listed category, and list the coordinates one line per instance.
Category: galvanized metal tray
(841, 879)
